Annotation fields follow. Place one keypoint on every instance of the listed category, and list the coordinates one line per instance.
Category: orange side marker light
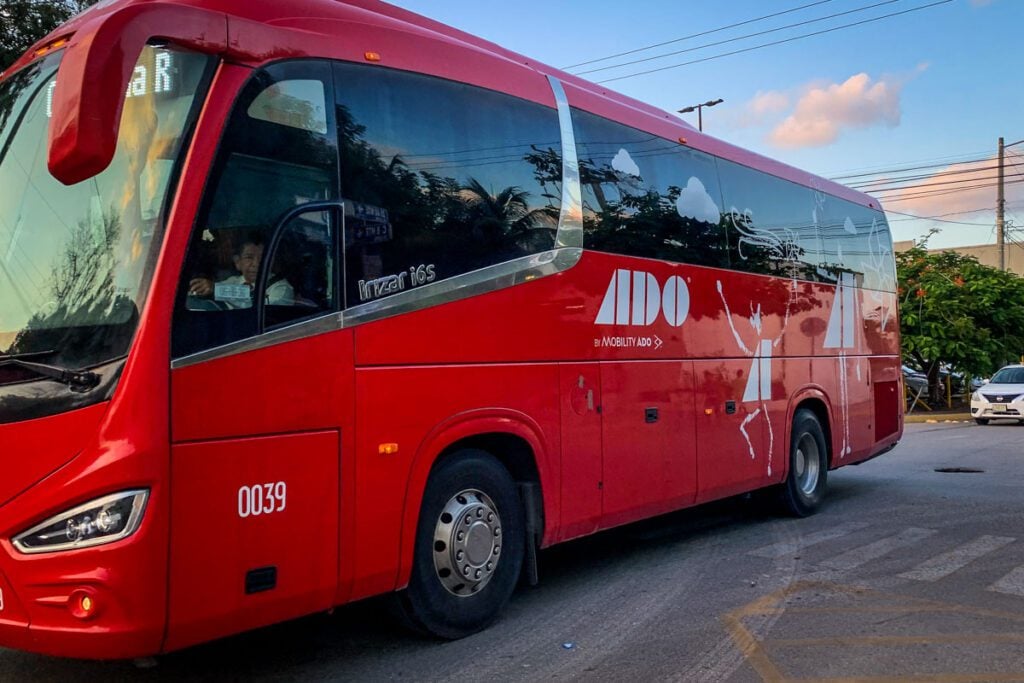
(50, 47)
(387, 448)
(371, 56)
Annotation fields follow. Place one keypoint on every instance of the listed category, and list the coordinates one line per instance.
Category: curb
(933, 418)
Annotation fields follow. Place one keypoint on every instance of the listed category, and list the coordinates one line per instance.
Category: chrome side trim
(570, 220)
(489, 279)
(307, 328)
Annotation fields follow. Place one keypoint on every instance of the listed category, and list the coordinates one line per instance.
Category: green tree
(958, 313)
(23, 22)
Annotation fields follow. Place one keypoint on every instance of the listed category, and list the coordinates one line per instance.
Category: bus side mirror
(95, 71)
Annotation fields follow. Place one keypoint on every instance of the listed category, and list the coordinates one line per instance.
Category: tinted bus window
(772, 223)
(646, 196)
(856, 240)
(278, 152)
(439, 178)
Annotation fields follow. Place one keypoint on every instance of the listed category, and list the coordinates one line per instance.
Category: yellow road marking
(756, 651)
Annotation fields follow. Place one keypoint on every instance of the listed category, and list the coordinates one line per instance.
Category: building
(987, 254)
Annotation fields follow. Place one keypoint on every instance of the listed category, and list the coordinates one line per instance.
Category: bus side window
(773, 224)
(439, 179)
(279, 151)
(647, 196)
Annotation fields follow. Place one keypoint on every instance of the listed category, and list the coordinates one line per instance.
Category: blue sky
(934, 86)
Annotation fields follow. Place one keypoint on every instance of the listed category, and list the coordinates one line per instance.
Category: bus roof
(293, 23)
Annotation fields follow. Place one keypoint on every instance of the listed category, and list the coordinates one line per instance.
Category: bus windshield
(75, 261)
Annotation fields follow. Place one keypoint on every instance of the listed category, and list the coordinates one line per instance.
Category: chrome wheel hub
(467, 542)
(806, 464)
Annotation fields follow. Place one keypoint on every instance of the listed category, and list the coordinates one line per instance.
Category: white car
(1001, 397)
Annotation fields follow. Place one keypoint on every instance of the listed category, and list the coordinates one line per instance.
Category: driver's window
(301, 282)
(279, 151)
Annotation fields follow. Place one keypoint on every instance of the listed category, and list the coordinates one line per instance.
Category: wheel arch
(512, 437)
(815, 399)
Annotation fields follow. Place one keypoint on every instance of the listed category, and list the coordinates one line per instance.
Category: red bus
(306, 302)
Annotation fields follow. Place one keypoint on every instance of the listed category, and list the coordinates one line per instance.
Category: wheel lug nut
(490, 517)
(460, 536)
(459, 555)
(477, 575)
(479, 513)
(490, 566)
(465, 570)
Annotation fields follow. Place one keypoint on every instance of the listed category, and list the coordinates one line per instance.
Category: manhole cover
(958, 470)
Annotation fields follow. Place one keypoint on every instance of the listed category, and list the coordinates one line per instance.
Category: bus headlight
(99, 521)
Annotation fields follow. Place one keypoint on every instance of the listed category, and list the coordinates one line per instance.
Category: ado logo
(635, 298)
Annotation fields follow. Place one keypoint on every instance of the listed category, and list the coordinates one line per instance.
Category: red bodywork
(526, 362)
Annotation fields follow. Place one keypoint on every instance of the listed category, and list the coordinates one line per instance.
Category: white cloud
(762, 107)
(623, 163)
(695, 202)
(825, 110)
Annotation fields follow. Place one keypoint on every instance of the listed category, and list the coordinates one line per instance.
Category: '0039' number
(262, 499)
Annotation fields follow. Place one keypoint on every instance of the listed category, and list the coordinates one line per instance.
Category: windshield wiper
(32, 355)
(77, 381)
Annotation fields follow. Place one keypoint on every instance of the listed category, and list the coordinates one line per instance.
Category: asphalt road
(906, 573)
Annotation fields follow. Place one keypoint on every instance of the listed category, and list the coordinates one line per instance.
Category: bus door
(262, 374)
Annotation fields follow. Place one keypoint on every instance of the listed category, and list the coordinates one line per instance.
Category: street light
(699, 107)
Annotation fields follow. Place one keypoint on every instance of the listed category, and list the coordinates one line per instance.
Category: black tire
(981, 420)
(804, 489)
(469, 484)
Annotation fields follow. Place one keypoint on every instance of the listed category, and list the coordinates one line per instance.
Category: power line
(939, 193)
(695, 35)
(940, 215)
(934, 218)
(894, 180)
(778, 42)
(925, 185)
(737, 38)
(946, 161)
(911, 168)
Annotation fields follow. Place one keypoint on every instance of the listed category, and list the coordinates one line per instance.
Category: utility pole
(1000, 208)
(1001, 204)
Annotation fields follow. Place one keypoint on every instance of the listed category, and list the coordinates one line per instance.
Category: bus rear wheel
(469, 547)
(804, 488)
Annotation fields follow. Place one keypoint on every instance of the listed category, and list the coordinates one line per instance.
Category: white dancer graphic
(841, 334)
(759, 379)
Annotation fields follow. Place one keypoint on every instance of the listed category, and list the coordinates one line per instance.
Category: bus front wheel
(804, 488)
(469, 547)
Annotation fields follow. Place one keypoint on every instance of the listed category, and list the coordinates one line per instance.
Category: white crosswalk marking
(958, 558)
(784, 548)
(872, 551)
(1012, 583)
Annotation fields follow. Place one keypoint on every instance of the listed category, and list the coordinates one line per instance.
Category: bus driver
(236, 291)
